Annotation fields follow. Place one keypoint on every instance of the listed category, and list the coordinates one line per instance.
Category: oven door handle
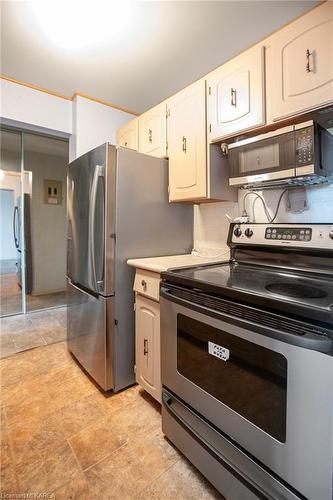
(314, 342)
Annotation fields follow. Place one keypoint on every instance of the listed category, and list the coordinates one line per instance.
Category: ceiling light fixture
(75, 24)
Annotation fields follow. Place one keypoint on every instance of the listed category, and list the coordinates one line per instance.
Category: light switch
(52, 192)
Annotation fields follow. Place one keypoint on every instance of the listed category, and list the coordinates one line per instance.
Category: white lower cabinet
(147, 345)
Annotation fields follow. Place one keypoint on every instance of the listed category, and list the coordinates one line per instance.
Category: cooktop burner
(296, 291)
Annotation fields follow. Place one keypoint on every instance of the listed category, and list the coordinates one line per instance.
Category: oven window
(250, 379)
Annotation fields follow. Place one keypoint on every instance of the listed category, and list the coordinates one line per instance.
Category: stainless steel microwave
(293, 155)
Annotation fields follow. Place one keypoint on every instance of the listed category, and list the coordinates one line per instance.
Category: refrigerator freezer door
(87, 220)
(90, 328)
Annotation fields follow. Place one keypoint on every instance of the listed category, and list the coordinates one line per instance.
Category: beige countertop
(160, 264)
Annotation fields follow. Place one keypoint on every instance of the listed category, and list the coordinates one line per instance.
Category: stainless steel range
(247, 363)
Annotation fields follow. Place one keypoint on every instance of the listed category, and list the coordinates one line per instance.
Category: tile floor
(11, 297)
(60, 435)
(22, 332)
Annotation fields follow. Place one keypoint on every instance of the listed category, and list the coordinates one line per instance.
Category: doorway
(33, 222)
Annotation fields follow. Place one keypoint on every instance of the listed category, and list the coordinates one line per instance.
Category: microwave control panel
(304, 146)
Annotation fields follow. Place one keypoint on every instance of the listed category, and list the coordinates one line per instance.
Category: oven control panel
(299, 235)
(288, 233)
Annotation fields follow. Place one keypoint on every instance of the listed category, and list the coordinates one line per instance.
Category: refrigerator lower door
(90, 327)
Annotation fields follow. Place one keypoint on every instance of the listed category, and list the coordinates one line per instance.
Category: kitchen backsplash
(211, 224)
(211, 227)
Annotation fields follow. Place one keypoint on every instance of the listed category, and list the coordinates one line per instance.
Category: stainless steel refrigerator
(117, 209)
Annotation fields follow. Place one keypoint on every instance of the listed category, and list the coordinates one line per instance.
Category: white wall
(87, 123)
(7, 246)
(48, 224)
(26, 107)
(211, 225)
(93, 124)
(13, 181)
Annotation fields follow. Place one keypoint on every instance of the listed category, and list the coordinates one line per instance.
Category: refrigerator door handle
(15, 222)
(99, 172)
(81, 290)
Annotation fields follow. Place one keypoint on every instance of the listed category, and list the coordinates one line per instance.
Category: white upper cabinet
(152, 131)
(302, 63)
(236, 95)
(127, 135)
(187, 144)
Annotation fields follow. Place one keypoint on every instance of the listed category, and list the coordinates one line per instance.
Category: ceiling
(138, 57)
(33, 143)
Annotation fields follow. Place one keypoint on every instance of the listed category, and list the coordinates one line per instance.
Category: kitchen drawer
(147, 283)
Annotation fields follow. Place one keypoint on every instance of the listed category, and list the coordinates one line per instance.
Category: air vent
(243, 312)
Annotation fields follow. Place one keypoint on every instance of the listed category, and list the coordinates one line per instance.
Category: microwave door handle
(99, 172)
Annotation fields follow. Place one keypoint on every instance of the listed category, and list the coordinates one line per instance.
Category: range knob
(237, 231)
(330, 234)
(248, 232)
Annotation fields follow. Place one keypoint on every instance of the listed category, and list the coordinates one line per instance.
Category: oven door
(265, 158)
(273, 399)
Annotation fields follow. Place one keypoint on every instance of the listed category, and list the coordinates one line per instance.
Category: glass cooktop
(306, 289)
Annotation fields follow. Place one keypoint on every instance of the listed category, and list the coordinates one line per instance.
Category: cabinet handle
(233, 97)
(126, 144)
(184, 144)
(150, 135)
(308, 54)
(144, 285)
(145, 346)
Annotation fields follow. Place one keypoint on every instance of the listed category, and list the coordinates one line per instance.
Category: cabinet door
(147, 331)
(152, 131)
(236, 95)
(187, 144)
(127, 135)
(302, 63)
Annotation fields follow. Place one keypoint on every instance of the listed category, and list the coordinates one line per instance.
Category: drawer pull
(308, 67)
(184, 144)
(233, 97)
(144, 285)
